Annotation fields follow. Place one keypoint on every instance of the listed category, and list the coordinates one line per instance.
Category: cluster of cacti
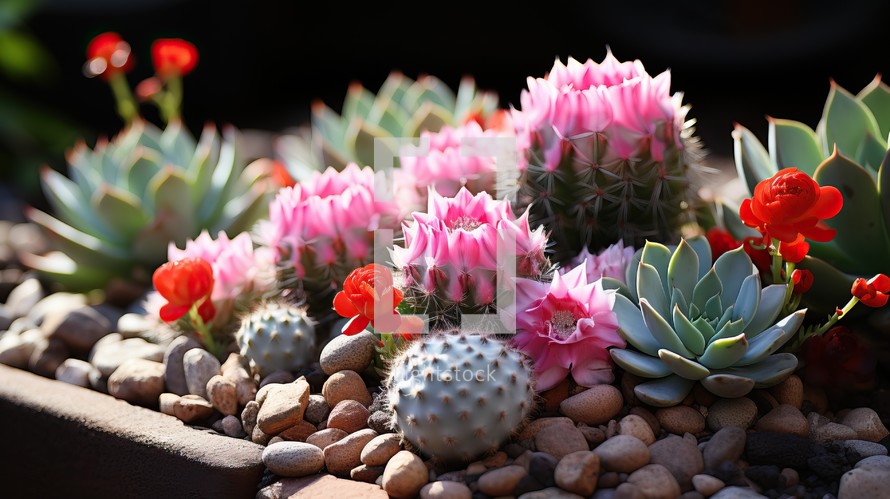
(277, 336)
(458, 396)
(451, 258)
(402, 107)
(690, 322)
(608, 155)
(848, 150)
(127, 199)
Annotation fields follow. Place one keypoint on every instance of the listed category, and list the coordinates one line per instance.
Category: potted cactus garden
(434, 293)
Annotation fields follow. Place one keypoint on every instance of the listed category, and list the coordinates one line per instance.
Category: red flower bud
(873, 292)
(720, 241)
(184, 283)
(795, 251)
(802, 280)
(173, 57)
(107, 55)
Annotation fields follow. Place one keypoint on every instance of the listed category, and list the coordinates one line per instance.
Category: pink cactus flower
(450, 252)
(619, 98)
(566, 326)
(610, 262)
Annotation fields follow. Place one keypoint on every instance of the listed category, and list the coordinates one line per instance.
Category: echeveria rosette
(606, 154)
(689, 322)
(321, 229)
(449, 260)
(848, 150)
(566, 327)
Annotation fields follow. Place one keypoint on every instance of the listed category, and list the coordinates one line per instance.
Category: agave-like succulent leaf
(126, 200)
(726, 330)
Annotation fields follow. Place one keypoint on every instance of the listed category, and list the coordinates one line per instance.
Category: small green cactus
(277, 337)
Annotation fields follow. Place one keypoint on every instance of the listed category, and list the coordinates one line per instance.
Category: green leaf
(640, 364)
(664, 392)
(689, 334)
(358, 102)
(631, 274)
(72, 276)
(733, 267)
(713, 308)
(466, 96)
(659, 257)
(429, 117)
(360, 138)
(730, 329)
(845, 121)
(429, 89)
(69, 204)
(703, 250)
(734, 224)
(683, 367)
(722, 353)
(877, 97)
(884, 190)
(793, 144)
(728, 385)
(771, 340)
(708, 286)
(632, 328)
(225, 174)
(834, 287)
(177, 144)
(650, 289)
(79, 246)
(861, 231)
(173, 212)
(679, 272)
(705, 328)
(748, 300)
(871, 153)
(121, 211)
(768, 372)
(204, 161)
(751, 159)
(662, 331)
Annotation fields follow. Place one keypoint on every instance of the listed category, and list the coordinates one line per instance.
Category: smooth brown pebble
(739, 412)
(680, 419)
(622, 453)
(445, 490)
(405, 475)
(501, 481)
(222, 394)
(324, 438)
(636, 426)
(343, 455)
(578, 472)
(593, 406)
(655, 481)
(380, 449)
(789, 391)
(559, 441)
(345, 385)
(784, 419)
(707, 485)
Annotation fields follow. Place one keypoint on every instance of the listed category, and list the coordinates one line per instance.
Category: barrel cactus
(128, 199)
(402, 107)
(277, 337)
(690, 322)
(608, 155)
(457, 396)
(847, 150)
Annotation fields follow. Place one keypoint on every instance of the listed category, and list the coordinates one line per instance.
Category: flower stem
(819, 331)
(170, 103)
(126, 104)
(204, 331)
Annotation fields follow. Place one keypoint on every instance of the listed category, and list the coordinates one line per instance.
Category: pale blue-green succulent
(127, 199)
(689, 322)
(847, 150)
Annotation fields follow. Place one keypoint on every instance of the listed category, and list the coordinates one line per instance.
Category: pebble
(345, 385)
(131, 325)
(594, 436)
(405, 475)
(367, 474)
(79, 329)
(549, 493)
(495, 460)
(192, 409)
(47, 357)
(323, 438)
(578, 472)
(16, 349)
(56, 303)
(655, 481)
(864, 482)
(75, 372)
(245, 385)
(343, 455)
(348, 353)
(166, 402)
(249, 415)
(500, 481)
(111, 351)
(784, 419)
(636, 426)
(594, 406)
(231, 426)
(560, 440)
(380, 449)
(627, 491)
(832, 431)
(298, 432)
(791, 477)
(680, 420)
(293, 459)
(680, 456)
(258, 437)
(789, 391)
(380, 421)
(780, 449)
(734, 492)
(864, 448)
(726, 445)
(707, 485)
(881, 462)
(317, 409)
(531, 429)
(623, 453)
(739, 412)
(542, 467)
(138, 381)
(221, 394)
(24, 297)
(283, 407)
(174, 371)
(866, 423)
(445, 490)
(349, 416)
(199, 366)
(277, 377)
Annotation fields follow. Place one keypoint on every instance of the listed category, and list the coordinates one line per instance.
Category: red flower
(839, 361)
(280, 175)
(360, 297)
(721, 241)
(803, 281)
(794, 251)
(872, 292)
(184, 283)
(791, 204)
(107, 55)
(173, 57)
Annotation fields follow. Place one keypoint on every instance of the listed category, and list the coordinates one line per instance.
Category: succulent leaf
(688, 332)
(662, 331)
(679, 272)
(632, 328)
(664, 392)
(877, 97)
(748, 301)
(650, 288)
(709, 286)
(724, 352)
(728, 385)
(683, 367)
(751, 159)
(639, 364)
(771, 340)
(733, 267)
(769, 371)
(845, 122)
(793, 144)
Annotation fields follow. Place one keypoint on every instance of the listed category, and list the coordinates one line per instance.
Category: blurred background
(263, 62)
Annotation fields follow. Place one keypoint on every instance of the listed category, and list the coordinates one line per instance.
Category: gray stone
(317, 409)
(622, 453)
(16, 349)
(249, 415)
(75, 372)
(445, 490)
(348, 353)
(734, 492)
(881, 462)
(727, 445)
(231, 426)
(131, 325)
(680, 456)
(865, 448)
(174, 369)
(560, 440)
(24, 297)
(138, 381)
(293, 459)
(199, 366)
(47, 357)
(221, 394)
(56, 303)
(500, 481)
(864, 482)
(112, 351)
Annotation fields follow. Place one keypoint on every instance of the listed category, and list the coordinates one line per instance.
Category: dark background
(263, 62)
